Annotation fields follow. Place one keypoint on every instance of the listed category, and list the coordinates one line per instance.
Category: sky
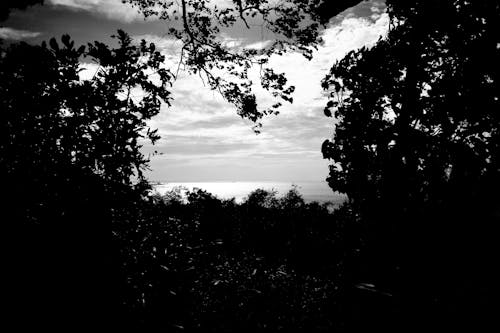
(202, 137)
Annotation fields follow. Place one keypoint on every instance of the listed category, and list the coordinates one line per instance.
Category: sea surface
(310, 190)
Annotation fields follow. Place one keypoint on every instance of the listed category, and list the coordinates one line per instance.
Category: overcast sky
(203, 139)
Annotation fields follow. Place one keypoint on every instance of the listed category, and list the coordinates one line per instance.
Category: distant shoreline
(310, 190)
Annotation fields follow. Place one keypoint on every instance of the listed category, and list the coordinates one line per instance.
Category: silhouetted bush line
(206, 264)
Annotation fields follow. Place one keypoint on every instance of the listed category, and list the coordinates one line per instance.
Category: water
(311, 191)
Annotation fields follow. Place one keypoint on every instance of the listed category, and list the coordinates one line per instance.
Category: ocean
(310, 190)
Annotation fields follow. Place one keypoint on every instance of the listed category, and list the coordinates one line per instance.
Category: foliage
(431, 99)
(295, 26)
(215, 265)
(57, 126)
(416, 150)
(70, 161)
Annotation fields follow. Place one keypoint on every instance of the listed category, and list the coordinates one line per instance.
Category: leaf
(53, 44)
(327, 112)
(66, 40)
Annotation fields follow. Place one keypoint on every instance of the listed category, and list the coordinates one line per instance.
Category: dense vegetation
(415, 149)
(215, 265)
(70, 163)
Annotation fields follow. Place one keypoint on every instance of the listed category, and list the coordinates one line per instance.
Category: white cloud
(79, 4)
(349, 34)
(115, 9)
(258, 45)
(204, 139)
(15, 34)
(112, 9)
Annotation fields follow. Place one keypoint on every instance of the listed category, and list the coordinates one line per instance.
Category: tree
(416, 150)
(71, 167)
(55, 124)
(295, 26)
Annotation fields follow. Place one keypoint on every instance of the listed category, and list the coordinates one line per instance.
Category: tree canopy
(54, 122)
(416, 150)
(70, 166)
(295, 26)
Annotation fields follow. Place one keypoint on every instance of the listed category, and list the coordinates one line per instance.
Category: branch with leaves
(294, 25)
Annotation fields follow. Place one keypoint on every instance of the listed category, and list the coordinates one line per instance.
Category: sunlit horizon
(239, 190)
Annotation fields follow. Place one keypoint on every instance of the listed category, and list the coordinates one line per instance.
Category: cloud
(15, 34)
(112, 9)
(258, 45)
(115, 9)
(350, 34)
(204, 140)
(77, 4)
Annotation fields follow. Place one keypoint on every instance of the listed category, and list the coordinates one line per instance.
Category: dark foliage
(210, 265)
(416, 150)
(70, 161)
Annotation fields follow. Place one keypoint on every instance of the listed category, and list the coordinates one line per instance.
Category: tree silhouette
(71, 165)
(416, 150)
